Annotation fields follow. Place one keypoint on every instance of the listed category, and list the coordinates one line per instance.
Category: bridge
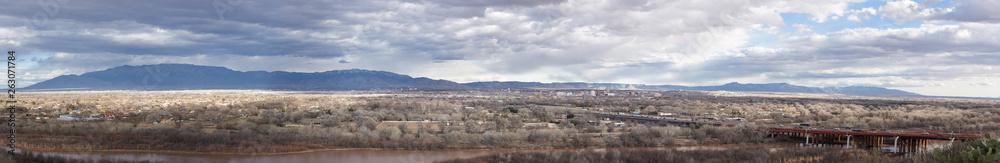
(904, 140)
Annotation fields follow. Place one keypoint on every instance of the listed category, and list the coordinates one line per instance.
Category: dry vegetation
(264, 122)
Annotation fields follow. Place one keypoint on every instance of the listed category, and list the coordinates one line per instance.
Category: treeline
(284, 109)
(957, 115)
(266, 123)
(255, 138)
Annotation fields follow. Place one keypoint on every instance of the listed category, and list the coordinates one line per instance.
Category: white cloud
(971, 37)
(858, 15)
(959, 10)
(821, 10)
(636, 41)
(909, 10)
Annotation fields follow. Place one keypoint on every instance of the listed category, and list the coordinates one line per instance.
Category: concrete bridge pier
(848, 141)
(807, 138)
(895, 142)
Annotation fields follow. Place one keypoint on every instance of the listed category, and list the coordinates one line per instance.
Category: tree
(156, 116)
(295, 116)
(390, 133)
(209, 116)
(330, 122)
(512, 110)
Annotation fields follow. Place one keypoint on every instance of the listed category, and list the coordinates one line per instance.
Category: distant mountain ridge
(187, 76)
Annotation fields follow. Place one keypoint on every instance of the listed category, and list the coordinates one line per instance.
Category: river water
(343, 155)
(888, 146)
(349, 155)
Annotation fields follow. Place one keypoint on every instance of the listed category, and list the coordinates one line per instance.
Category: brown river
(347, 155)
(342, 155)
(358, 155)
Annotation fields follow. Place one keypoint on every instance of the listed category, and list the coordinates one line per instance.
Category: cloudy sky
(931, 47)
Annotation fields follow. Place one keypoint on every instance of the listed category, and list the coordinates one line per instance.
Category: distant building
(68, 117)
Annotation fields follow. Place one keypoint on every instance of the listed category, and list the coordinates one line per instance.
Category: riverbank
(132, 143)
(357, 154)
(746, 154)
(682, 147)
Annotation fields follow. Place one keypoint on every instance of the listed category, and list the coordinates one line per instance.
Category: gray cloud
(493, 3)
(959, 10)
(639, 41)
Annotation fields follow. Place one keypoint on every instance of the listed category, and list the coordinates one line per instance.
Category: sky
(931, 47)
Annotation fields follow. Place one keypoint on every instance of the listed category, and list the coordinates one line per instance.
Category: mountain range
(187, 77)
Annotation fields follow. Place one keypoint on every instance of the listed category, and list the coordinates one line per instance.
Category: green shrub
(979, 150)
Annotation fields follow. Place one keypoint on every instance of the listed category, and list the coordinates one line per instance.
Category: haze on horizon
(931, 47)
